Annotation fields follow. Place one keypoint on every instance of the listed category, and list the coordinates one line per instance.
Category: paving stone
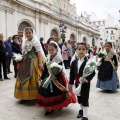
(103, 105)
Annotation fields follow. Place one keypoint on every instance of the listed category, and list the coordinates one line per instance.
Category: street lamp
(63, 29)
(93, 40)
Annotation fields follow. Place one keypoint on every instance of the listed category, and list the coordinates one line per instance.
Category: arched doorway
(84, 40)
(72, 37)
(21, 27)
(54, 34)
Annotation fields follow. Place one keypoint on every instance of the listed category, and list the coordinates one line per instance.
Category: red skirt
(52, 103)
(57, 101)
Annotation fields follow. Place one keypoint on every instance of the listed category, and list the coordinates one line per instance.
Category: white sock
(85, 111)
(81, 106)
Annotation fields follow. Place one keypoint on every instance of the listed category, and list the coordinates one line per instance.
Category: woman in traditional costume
(31, 67)
(107, 73)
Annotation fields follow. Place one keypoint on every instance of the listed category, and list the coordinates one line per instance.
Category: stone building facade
(113, 35)
(45, 16)
(102, 24)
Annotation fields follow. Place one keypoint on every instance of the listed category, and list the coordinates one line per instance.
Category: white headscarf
(59, 54)
(59, 50)
(24, 39)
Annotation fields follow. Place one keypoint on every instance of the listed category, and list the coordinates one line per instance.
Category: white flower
(17, 57)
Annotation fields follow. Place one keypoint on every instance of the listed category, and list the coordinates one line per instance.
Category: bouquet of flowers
(17, 57)
(100, 56)
(88, 70)
(54, 69)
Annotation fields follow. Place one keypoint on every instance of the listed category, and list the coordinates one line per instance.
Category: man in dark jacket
(3, 54)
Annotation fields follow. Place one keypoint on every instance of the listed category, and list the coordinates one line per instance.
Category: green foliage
(62, 36)
(55, 70)
(30, 54)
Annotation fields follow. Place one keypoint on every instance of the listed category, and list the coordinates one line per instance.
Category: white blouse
(27, 46)
(80, 61)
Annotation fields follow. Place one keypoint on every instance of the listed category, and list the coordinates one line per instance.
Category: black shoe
(1, 79)
(23, 101)
(7, 72)
(84, 118)
(10, 72)
(48, 112)
(80, 114)
(6, 78)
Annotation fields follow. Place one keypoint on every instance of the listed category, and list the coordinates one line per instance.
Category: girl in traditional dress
(52, 97)
(31, 67)
(107, 73)
(76, 71)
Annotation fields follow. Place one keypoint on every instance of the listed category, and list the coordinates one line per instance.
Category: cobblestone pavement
(103, 105)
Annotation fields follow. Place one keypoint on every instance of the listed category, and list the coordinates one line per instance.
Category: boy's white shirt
(80, 61)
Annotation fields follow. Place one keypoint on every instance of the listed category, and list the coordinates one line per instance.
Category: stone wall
(44, 17)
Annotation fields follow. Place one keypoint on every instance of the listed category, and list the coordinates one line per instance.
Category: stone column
(37, 29)
(9, 24)
(44, 28)
(79, 36)
(41, 27)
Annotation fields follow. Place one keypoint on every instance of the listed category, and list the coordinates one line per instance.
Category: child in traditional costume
(78, 64)
(31, 67)
(54, 89)
(107, 73)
